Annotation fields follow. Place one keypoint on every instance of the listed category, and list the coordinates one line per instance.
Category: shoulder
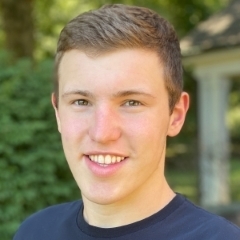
(54, 213)
(49, 218)
(206, 225)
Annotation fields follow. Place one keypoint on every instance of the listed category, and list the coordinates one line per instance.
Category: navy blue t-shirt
(179, 220)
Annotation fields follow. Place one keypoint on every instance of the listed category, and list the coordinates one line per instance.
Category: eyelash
(128, 103)
(81, 102)
(131, 103)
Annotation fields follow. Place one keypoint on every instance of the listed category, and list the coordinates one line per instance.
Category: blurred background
(33, 171)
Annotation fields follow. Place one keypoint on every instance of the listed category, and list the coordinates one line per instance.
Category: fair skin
(113, 116)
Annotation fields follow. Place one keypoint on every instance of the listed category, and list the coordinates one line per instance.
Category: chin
(101, 198)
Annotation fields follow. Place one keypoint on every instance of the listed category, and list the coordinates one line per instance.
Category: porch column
(213, 92)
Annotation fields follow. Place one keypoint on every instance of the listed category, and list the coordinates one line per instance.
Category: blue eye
(81, 102)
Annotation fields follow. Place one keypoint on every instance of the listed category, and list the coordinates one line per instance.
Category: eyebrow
(77, 92)
(124, 93)
(132, 92)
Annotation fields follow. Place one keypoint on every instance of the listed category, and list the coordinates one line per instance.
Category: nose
(105, 125)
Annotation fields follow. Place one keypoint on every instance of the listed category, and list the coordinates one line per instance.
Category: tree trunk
(17, 20)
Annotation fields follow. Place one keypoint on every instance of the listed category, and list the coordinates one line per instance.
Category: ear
(178, 115)
(54, 104)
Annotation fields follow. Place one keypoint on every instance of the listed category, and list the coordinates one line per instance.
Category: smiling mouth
(105, 160)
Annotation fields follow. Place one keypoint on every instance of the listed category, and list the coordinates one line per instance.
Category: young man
(118, 95)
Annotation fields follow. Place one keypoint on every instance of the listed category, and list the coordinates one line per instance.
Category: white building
(212, 50)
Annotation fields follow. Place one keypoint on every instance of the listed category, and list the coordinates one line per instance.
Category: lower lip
(103, 171)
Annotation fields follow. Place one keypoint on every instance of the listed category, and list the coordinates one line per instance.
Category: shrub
(34, 173)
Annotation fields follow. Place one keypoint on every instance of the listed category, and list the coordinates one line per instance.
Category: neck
(139, 205)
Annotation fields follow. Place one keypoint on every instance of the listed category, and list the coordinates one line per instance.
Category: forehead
(133, 57)
(129, 67)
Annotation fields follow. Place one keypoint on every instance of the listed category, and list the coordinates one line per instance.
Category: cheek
(148, 136)
(149, 127)
(72, 135)
(71, 127)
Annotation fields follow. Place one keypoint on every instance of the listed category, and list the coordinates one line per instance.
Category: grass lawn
(185, 181)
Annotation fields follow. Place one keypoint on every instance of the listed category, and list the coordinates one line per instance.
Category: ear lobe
(54, 104)
(178, 115)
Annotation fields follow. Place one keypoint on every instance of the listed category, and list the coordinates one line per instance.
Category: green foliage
(34, 173)
(233, 117)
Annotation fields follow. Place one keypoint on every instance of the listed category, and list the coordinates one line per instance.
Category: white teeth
(108, 159)
(114, 158)
(100, 159)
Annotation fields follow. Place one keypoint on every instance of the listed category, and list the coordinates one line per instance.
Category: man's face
(113, 116)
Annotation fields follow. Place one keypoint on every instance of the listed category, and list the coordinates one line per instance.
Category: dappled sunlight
(233, 120)
(235, 180)
(215, 25)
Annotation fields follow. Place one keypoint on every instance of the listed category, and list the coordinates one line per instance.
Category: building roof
(219, 31)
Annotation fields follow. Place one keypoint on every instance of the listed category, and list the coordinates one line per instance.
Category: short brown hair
(120, 26)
